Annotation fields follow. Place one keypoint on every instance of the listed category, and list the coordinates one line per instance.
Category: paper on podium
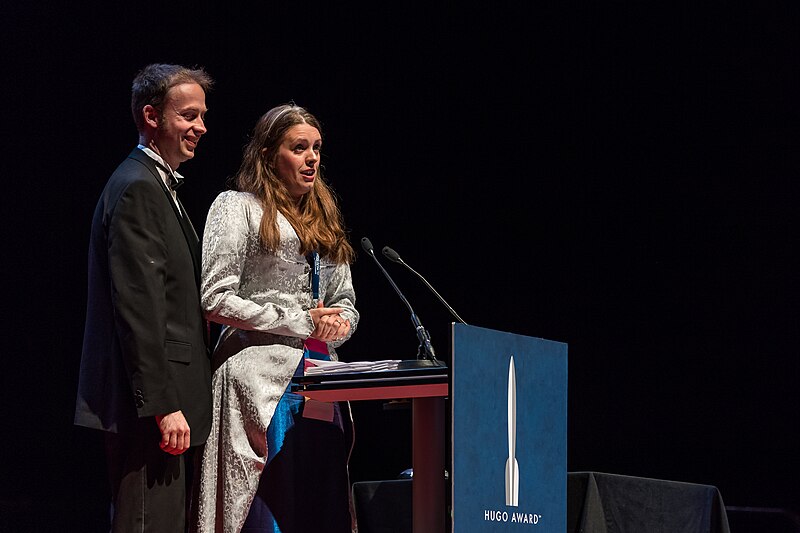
(318, 366)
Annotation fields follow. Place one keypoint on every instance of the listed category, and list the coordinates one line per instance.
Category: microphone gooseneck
(394, 256)
(367, 245)
(422, 334)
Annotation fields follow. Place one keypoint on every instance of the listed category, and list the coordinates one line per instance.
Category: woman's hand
(328, 325)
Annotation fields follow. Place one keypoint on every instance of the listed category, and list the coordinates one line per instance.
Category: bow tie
(174, 181)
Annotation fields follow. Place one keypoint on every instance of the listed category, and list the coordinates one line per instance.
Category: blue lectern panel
(509, 401)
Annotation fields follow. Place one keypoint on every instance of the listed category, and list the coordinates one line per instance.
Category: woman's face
(297, 162)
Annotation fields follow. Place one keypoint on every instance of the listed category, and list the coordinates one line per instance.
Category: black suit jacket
(144, 350)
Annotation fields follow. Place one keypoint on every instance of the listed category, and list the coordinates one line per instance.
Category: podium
(427, 389)
(508, 433)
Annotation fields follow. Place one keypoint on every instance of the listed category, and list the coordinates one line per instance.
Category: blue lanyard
(313, 258)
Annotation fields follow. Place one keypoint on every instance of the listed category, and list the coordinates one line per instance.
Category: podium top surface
(386, 384)
(377, 377)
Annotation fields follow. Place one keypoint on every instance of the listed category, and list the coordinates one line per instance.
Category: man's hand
(174, 433)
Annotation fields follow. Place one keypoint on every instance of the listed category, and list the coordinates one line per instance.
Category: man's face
(180, 124)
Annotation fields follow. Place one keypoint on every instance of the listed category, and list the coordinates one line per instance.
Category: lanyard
(313, 259)
(314, 349)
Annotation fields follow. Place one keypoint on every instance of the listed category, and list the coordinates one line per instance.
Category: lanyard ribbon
(313, 259)
(314, 349)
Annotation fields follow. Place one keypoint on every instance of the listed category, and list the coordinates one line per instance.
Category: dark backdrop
(620, 177)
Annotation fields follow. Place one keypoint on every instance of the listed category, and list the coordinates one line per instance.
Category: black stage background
(620, 177)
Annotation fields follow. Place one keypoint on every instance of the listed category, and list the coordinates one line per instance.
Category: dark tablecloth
(596, 503)
(610, 503)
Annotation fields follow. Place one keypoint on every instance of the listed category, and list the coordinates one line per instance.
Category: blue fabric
(309, 471)
(260, 518)
(291, 404)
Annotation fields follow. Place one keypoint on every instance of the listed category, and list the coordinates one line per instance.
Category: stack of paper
(318, 366)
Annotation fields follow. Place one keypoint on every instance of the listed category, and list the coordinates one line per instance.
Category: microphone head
(391, 254)
(366, 244)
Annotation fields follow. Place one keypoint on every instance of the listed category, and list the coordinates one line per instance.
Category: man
(145, 376)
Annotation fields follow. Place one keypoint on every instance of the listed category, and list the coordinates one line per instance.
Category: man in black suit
(145, 378)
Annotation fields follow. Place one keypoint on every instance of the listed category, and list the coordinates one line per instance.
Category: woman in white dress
(276, 274)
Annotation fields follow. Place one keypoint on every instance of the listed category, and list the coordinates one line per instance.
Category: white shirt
(163, 173)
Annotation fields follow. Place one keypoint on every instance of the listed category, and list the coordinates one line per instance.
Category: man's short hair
(151, 84)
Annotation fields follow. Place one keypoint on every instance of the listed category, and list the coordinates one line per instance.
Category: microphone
(394, 256)
(422, 334)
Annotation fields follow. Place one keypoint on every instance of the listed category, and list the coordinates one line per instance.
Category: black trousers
(148, 486)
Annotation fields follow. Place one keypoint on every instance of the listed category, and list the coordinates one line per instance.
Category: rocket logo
(512, 468)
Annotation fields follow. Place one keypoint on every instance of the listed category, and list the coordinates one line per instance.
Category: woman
(266, 466)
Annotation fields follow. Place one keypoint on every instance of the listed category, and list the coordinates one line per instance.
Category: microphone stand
(422, 334)
(394, 256)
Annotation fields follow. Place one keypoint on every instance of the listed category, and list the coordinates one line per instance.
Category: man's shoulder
(135, 166)
(134, 171)
(135, 181)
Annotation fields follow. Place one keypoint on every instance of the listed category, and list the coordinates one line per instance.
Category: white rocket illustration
(512, 468)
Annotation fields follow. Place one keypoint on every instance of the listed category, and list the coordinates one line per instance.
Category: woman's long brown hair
(316, 218)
